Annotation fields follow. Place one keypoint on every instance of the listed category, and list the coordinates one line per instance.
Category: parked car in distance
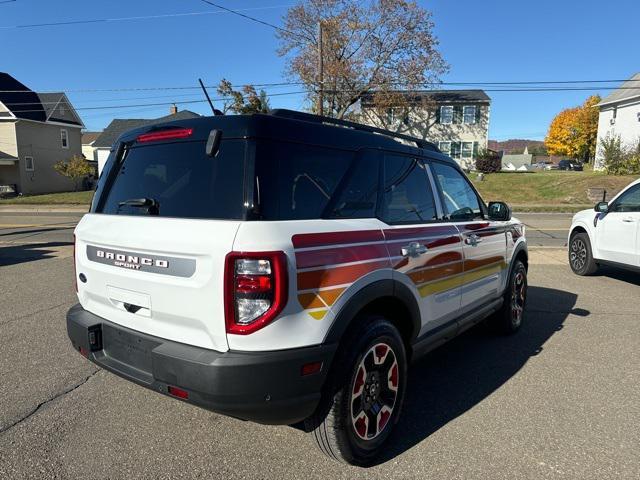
(283, 269)
(574, 165)
(610, 235)
(551, 166)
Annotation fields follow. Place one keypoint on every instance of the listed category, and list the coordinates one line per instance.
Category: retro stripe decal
(328, 263)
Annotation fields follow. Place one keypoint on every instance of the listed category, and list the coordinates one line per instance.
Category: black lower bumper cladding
(264, 387)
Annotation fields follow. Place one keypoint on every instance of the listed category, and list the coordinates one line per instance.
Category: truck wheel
(509, 318)
(580, 256)
(365, 395)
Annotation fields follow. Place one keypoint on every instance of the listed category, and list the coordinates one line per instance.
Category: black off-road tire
(581, 258)
(509, 318)
(358, 381)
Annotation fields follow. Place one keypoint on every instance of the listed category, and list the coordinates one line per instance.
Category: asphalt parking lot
(558, 400)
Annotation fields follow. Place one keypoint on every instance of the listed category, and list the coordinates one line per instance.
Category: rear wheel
(366, 391)
(580, 255)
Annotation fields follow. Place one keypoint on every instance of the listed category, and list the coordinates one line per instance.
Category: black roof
(119, 126)
(20, 99)
(286, 125)
(439, 96)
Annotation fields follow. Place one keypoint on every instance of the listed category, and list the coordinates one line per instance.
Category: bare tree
(371, 45)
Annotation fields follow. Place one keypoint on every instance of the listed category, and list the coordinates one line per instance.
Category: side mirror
(499, 211)
(602, 207)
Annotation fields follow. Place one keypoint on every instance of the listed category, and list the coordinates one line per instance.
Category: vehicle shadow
(454, 378)
(16, 254)
(627, 276)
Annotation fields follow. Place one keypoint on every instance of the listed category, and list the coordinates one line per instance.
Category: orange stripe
(438, 273)
(312, 300)
(338, 275)
(472, 264)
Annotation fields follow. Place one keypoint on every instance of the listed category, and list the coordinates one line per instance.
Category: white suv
(285, 268)
(609, 234)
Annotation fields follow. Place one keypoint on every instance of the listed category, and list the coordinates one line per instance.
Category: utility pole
(320, 71)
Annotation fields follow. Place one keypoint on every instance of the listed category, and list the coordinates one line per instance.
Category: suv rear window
(180, 177)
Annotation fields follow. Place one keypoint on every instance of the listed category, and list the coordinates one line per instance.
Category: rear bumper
(264, 387)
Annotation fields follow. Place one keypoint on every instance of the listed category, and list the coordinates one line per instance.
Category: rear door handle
(414, 249)
(628, 220)
(473, 240)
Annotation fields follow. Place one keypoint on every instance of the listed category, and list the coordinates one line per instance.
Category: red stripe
(333, 256)
(396, 247)
(400, 233)
(304, 240)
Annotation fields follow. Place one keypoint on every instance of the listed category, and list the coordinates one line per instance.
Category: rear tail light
(165, 135)
(255, 290)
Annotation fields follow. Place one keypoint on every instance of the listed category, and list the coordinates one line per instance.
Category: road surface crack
(48, 401)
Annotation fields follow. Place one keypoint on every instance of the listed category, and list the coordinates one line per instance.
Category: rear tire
(581, 258)
(508, 319)
(365, 394)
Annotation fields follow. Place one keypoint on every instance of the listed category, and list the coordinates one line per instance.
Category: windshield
(175, 180)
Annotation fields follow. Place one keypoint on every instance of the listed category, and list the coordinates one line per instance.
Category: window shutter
(475, 149)
(457, 114)
(478, 113)
(438, 114)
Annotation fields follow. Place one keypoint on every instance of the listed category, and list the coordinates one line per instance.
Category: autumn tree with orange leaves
(574, 131)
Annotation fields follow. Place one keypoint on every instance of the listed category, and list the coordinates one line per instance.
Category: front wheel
(509, 318)
(366, 391)
(580, 255)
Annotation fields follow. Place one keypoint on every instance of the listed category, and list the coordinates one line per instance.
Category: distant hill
(517, 145)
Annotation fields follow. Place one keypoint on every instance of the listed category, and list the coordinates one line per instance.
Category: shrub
(75, 168)
(488, 161)
(618, 159)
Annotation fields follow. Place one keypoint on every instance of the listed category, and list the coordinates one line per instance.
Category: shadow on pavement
(15, 254)
(621, 274)
(456, 377)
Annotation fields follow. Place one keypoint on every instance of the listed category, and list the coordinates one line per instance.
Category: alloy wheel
(578, 254)
(374, 391)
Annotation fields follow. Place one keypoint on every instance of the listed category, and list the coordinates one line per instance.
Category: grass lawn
(66, 198)
(548, 190)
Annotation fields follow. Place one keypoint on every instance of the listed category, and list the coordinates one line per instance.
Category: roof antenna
(206, 94)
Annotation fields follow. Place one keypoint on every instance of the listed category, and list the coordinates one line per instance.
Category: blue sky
(483, 41)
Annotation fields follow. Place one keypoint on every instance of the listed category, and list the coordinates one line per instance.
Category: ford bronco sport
(285, 269)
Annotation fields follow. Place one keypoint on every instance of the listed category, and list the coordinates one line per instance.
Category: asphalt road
(558, 400)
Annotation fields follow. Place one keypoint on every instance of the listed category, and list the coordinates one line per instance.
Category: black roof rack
(309, 117)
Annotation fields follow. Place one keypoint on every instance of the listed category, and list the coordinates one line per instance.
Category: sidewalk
(28, 208)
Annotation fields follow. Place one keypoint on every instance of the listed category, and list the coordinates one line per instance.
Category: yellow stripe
(318, 314)
(460, 280)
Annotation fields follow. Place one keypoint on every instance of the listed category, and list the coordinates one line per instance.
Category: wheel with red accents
(368, 382)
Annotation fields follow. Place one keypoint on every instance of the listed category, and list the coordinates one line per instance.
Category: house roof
(89, 137)
(629, 89)
(118, 126)
(24, 103)
(440, 96)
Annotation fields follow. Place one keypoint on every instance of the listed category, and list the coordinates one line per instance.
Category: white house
(620, 116)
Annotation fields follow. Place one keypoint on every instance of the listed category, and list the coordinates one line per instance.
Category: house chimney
(173, 109)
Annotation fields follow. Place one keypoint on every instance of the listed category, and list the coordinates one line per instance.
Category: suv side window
(296, 182)
(460, 200)
(629, 201)
(407, 195)
(356, 195)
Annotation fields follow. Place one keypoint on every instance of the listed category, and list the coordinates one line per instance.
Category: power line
(257, 20)
(111, 107)
(277, 84)
(121, 19)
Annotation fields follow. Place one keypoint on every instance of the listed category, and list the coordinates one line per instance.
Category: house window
(64, 139)
(467, 150)
(28, 164)
(445, 147)
(469, 114)
(446, 114)
(455, 150)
